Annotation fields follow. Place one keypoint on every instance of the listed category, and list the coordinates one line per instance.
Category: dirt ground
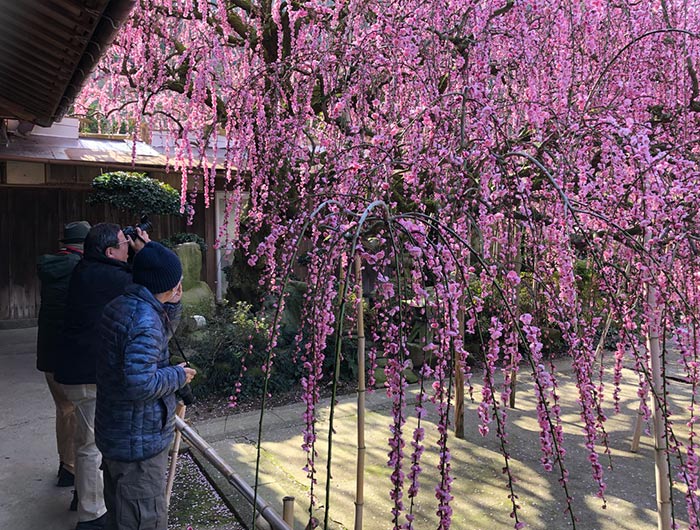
(479, 489)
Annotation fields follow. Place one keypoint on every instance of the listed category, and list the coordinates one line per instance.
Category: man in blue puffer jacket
(135, 413)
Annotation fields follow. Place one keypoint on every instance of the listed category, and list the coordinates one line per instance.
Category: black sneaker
(65, 478)
(74, 502)
(95, 524)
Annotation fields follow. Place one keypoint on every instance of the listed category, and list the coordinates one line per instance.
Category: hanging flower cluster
(521, 170)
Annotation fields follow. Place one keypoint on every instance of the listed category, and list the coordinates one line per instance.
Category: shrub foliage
(135, 192)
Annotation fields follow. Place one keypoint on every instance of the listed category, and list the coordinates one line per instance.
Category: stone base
(198, 300)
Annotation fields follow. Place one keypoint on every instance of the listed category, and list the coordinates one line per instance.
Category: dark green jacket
(54, 271)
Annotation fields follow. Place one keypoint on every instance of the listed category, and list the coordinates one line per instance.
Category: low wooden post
(174, 451)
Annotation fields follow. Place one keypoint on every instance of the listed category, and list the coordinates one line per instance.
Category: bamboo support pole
(639, 419)
(608, 319)
(606, 330)
(361, 391)
(513, 386)
(459, 373)
(208, 452)
(174, 451)
(634, 446)
(288, 511)
(518, 266)
(459, 385)
(261, 523)
(663, 485)
(513, 367)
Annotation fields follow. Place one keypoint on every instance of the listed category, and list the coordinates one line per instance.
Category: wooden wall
(31, 223)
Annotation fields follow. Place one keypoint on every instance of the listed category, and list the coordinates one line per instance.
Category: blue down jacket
(135, 412)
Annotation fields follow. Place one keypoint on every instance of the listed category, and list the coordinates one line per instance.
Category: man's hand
(141, 240)
(189, 372)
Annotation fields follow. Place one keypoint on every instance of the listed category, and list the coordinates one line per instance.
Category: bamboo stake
(288, 511)
(459, 384)
(174, 451)
(261, 523)
(459, 373)
(663, 486)
(606, 330)
(608, 319)
(634, 446)
(518, 268)
(361, 390)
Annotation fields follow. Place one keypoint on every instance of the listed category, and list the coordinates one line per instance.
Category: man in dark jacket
(101, 276)
(135, 415)
(54, 271)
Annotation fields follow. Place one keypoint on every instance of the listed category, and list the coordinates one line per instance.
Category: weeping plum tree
(571, 124)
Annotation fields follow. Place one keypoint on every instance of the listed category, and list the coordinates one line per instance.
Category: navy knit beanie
(157, 268)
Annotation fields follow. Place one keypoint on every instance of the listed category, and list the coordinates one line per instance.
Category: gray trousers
(135, 493)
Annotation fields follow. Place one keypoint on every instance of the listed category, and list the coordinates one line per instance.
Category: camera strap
(174, 338)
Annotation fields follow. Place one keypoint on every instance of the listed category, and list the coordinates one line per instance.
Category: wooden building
(45, 180)
(49, 49)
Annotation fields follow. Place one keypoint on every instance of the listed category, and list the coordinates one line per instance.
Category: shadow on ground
(480, 487)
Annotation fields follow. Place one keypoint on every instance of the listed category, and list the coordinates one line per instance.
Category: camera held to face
(145, 225)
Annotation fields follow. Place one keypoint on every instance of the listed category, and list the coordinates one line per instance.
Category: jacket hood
(56, 266)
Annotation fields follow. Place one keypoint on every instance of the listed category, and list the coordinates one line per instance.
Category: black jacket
(54, 271)
(96, 281)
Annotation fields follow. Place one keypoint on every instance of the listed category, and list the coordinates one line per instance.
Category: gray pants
(135, 493)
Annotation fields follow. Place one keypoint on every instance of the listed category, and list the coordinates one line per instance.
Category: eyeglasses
(120, 243)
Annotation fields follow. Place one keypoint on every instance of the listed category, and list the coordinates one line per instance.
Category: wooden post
(174, 451)
(361, 390)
